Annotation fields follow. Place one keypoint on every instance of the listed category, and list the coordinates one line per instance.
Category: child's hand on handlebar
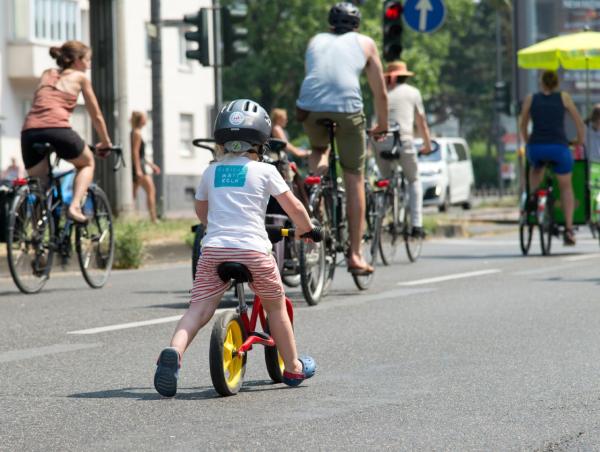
(103, 148)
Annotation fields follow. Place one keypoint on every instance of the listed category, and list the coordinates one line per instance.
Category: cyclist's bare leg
(535, 178)
(283, 334)
(318, 161)
(148, 185)
(567, 199)
(197, 315)
(84, 177)
(355, 205)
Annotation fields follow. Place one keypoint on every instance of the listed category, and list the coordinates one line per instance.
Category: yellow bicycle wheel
(227, 368)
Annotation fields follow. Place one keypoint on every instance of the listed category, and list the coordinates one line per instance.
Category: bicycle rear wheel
(391, 227)
(29, 242)
(413, 244)
(94, 241)
(371, 237)
(546, 227)
(314, 259)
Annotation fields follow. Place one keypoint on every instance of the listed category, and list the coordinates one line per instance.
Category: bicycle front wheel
(29, 242)
(94, 241)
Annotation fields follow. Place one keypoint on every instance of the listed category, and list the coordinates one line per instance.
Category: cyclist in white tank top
(331, 89)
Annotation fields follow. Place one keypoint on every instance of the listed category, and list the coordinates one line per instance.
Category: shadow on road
(193, 393)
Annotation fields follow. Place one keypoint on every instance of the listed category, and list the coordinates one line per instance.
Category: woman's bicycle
(397, 227)
(38, 228)
(234, 332)
(327, 206)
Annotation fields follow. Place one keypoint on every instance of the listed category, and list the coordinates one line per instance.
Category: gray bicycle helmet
(242, 124)
(344, 17)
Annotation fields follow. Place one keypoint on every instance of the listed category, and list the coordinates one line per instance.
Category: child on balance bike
(232, 200)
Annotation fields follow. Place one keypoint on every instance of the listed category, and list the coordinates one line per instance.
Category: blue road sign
(424, 16)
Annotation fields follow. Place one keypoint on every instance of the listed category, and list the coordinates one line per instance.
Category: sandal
(569, 237)
(308, 370)
(167, 372)
(361, 271)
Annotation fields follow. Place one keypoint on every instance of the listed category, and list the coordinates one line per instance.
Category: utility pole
(157, 106)
(218, 56)
(498, 122)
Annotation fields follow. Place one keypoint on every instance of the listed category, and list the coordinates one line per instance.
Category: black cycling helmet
(344, 17)
(242, 124)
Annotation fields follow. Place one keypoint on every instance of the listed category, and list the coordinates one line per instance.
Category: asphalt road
(472, 348)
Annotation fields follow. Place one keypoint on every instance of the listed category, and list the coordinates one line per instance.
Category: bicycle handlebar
(117, 150)
(276, 233)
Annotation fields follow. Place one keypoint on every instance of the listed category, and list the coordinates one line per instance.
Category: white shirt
(237, 190)
(403, 101)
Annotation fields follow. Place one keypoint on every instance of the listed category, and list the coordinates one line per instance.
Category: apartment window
(186, 135)
(56, 20)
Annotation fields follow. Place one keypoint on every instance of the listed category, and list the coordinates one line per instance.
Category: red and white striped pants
(266, 279)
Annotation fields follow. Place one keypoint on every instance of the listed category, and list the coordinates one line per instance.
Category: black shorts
(66, 142)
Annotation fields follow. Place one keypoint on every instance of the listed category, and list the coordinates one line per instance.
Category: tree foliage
(454, 67)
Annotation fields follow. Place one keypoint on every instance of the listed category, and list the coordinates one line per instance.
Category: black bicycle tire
(546, 227)
(217, 338)
(372, 233)
(21, 196)
(525, 243)
(389, 258)
(196, 248)
(313, 296)
(96, 194)
(272, 355)
(407, 227)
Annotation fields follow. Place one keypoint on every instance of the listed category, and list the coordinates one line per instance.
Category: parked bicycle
(397, 227)
(38, 228)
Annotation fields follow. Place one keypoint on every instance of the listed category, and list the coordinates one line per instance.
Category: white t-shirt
(237, 190)
(403, 101)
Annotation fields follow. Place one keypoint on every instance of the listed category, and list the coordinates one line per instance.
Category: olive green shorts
(349, 137)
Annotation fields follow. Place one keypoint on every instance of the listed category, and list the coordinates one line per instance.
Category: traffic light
(392, 30)
(200, 36)
(502, 97)
(234, 32)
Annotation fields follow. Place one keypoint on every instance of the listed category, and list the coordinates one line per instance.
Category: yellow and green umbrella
(577, 51)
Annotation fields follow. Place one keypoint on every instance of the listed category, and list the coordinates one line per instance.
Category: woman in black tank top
(141, 178)
(548, 143)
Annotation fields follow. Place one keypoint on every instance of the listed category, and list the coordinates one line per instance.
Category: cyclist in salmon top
(48, 120)
(231, 201)
(548, 141)
(331, 89)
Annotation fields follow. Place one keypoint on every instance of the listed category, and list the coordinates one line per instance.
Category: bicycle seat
(234, 270)
(389, 155)
(326, 122)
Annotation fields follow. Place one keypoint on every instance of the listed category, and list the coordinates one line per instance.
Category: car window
(461, 152)
(451, 153)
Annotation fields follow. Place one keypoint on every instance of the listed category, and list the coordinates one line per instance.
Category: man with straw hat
(406, 110)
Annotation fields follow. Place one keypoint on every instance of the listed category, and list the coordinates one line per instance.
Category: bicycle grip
(316, 234)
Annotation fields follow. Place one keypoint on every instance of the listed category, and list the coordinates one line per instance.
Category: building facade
(28, 28)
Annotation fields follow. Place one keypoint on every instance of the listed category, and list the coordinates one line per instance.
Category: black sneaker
(417, 232)
(167, 372)
(569, 238)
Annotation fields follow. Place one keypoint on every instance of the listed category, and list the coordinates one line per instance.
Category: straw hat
(398, 68)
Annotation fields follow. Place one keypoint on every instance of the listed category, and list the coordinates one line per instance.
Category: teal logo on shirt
(230, 175)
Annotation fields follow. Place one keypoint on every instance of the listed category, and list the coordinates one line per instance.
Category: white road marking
(18, 355)
(450, 277)
(124, 326)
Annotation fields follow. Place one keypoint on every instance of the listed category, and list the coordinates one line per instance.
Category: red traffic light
(393, 11)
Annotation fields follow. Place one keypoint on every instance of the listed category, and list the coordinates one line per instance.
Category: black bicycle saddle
(234, 270)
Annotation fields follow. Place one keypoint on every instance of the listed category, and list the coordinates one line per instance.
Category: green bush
(129, 247)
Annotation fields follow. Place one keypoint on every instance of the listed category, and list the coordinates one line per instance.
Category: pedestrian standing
(592, 136)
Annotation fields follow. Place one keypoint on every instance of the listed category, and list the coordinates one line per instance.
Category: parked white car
(447, 175)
